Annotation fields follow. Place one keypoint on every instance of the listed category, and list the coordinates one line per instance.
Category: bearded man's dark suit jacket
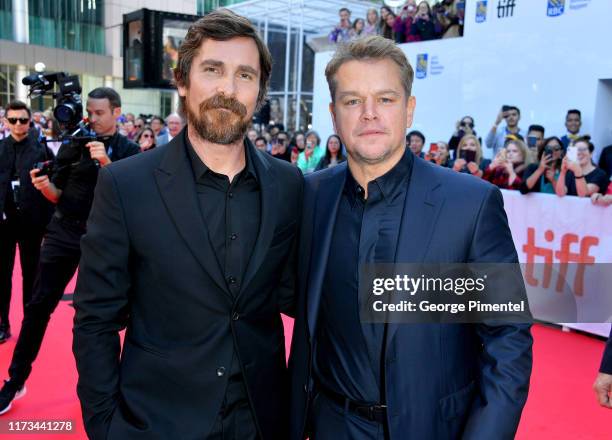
(148, 265)
(443, 381)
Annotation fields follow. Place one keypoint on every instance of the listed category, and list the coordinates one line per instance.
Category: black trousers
(15, 232)
(59, 259)
(235, 420)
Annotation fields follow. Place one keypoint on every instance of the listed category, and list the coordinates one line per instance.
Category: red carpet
(561, 403)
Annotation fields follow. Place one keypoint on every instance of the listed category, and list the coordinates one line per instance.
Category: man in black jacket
(71, 188)
(195, 260)
(24, 212)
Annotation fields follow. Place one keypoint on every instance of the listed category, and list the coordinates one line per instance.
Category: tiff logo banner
(505, 8)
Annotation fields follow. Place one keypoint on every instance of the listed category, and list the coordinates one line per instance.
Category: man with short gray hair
(175, 124)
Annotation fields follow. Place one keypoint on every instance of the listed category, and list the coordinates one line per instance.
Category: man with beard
(200, 289)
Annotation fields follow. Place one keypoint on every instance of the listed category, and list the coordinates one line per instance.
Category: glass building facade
(67, 24)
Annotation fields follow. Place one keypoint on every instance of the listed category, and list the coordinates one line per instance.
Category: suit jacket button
(236, 316)
(221, 371)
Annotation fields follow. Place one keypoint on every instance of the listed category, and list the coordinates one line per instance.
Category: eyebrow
(218, 63)
(380, 92)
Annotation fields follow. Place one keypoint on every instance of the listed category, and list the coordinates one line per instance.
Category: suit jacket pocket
(457, 403)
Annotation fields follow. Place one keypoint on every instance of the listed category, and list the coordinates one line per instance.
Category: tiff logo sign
(563, 256)
(505, 8)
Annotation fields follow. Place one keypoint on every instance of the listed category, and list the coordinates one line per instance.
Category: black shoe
(9, 392)
(5, 333)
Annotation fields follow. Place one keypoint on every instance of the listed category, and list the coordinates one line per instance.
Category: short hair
(369, 48)
(573, 111)
(512, 107)
(260, 138)
(106, 93)
(174, 114)
(221, 25)
(587, 140)
(18, 105)
(536, 127)
(158, 118)
(417, 134)
(344, 10)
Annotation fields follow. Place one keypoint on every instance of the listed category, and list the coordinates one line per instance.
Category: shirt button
(221, 371)
(231, 280)
(233, 236)
(236, 316)
(230, 195)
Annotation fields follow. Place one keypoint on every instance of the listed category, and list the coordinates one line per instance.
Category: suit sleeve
(101, 303)
(606, 362)
(506, 356)
(287, 287)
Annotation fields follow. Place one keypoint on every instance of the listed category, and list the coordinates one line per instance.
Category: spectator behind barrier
(542, 176)
(496, 138)
(386, 29)
(507, 168)
(440, 155)
(146, 139)
(357, 29)
(341, 33)
(469, 157)
(333, 153)
(372, 26)
(312, 154)
(573, 122)
(464, 126)
(423, 27)
(535, 140)
(261, 143)
(581, 177)
(403, 22)
(415, 140)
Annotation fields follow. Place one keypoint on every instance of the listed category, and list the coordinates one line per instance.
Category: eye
(211, 69)
(386, 100)
(246, 76)
(352, 102)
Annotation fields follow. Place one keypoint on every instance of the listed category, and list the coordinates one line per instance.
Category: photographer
(72, 189)
(24, 212)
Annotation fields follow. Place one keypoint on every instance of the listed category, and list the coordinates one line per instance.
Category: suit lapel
(176, 185)
(328, 195)
(421, 210)
(269, 192)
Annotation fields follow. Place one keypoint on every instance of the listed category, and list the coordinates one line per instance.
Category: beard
(219, 120)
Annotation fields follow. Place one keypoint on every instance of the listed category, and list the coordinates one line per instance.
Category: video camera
(68, 110)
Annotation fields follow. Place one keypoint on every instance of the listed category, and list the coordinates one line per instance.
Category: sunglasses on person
(22, 121)
(138, 125)
(147, 136)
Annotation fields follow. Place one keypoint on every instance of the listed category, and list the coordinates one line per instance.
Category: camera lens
(65, 113)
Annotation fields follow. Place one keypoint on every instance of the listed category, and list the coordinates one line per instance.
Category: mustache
(223, 102)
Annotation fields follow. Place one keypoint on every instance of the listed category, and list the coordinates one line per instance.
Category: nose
(226, 86)
(369, 110)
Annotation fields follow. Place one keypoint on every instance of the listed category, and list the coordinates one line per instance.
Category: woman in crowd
(441, 155)
(507, 168)
(280, 150)
(542, 176)
(52, 133)
(386, 29)
(469, 157)
(310, 157)
(463, 127)
(371, 27)
(299, 141)
(581, 178)
(423, 26)
(333, 153)
(295, 154)
(146, 139)
(403, 22)
(357, 29)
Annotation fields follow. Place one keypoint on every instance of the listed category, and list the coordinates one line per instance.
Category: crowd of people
(413, 22)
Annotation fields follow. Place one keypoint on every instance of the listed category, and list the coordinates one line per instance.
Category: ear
(410, 106)
(116, 112)
(332, 111)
